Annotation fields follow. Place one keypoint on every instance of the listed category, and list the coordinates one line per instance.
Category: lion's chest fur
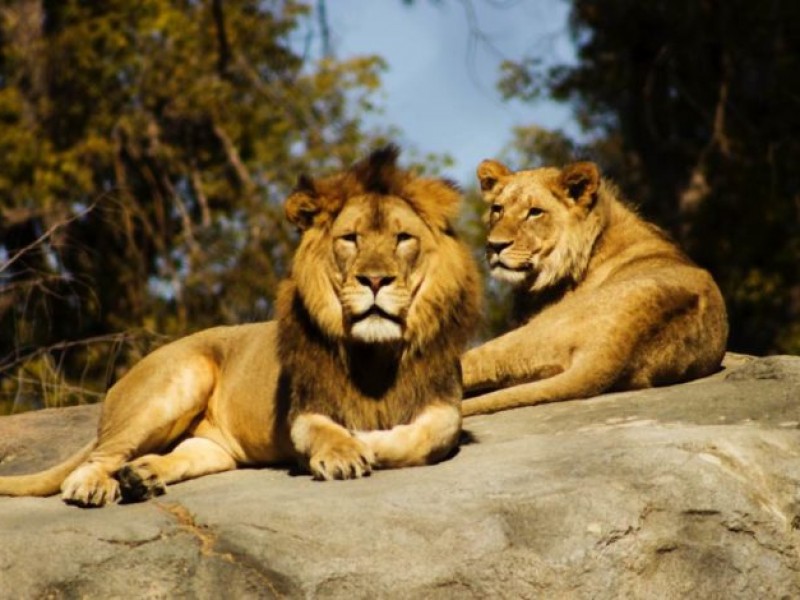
(361, 386)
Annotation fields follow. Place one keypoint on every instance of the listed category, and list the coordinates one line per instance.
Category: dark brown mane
(365, 387)
(316, 202)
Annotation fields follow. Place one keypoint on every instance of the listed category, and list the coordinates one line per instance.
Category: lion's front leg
(427, 439)
(148, 475)
(331, 450)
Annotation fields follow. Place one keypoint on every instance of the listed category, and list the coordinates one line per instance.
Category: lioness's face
(536, 221)
(525, 223)
(379, 246)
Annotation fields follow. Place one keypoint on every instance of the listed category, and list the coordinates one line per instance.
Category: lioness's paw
(345, 459)
(138, 482)
(89, 486)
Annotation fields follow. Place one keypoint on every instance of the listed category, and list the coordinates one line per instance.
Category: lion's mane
(375, 386)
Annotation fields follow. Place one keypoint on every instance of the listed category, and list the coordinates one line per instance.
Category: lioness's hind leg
(148, 476)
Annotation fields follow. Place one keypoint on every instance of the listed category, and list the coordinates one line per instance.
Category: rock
(675, 492)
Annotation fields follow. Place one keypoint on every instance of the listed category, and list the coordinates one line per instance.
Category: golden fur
(359, 371)
(606, 300)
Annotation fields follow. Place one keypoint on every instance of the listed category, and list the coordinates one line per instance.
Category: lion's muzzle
(376, 316)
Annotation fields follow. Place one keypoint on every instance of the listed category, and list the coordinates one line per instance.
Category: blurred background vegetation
(146, 148)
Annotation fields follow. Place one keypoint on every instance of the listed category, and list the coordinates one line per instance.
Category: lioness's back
(675, 306)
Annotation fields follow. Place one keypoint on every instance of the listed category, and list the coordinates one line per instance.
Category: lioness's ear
(581, 181)
(302, 205)
(490, 172)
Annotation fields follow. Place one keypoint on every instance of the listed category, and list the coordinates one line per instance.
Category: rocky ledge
(683, 491)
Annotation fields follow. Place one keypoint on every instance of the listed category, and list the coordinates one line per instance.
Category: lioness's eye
(496, 210)
(535, 212)
(349, 237)
(404, 237)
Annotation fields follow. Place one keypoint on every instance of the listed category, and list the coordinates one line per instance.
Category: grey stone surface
(677, 492)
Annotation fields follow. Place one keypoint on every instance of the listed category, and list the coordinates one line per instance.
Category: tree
(145, 150)
(692, 106)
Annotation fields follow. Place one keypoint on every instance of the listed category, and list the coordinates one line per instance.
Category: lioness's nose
(497, 246)
(375, 282)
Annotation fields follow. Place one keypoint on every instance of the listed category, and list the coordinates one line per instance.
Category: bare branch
(719, 136)
(234, 158)
(324, 29)
(478, 37)
(186, 219)
(12, 361)
(202, 200)
(223, 47)
(46, 235)
(61, 385)
(698, 189)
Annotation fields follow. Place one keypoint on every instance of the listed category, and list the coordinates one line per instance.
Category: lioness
(607, 301)
(359, 371)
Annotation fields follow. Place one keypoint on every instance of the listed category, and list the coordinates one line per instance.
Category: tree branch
(234, 158)
(47, 234)
(324, 29)
(223, 47)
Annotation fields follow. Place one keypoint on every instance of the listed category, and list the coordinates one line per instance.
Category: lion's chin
(375, 329)
(513, 276)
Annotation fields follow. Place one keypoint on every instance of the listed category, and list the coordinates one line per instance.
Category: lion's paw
(89, 486)
(139, 482)
(349, 458)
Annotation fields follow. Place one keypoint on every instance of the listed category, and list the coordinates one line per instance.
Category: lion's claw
(345, 460)
(137, 483)
(89, 486)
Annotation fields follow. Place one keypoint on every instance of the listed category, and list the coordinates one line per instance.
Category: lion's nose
(375, 282)
(497, 247)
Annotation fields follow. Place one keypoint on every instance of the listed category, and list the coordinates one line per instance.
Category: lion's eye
(349, 237)
(535, 212)
(496, 210)
(404, 237)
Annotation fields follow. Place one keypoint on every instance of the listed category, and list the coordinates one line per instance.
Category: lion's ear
(438, 200)
(490, 172)
(303, 203)
(580, 181)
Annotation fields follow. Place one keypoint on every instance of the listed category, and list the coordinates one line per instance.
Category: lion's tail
(44, 483)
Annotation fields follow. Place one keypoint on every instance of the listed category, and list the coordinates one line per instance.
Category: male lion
(359, 371)
(606, 300)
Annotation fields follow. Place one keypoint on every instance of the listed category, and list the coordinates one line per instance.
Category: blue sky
(440, 89)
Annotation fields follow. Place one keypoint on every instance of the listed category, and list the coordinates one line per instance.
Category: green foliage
(522, 80)
(693, 108)
(532, 147)
(145, 150)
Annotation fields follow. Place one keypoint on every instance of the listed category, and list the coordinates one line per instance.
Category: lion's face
(380, 249)
(382, 266)
(541, 222)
